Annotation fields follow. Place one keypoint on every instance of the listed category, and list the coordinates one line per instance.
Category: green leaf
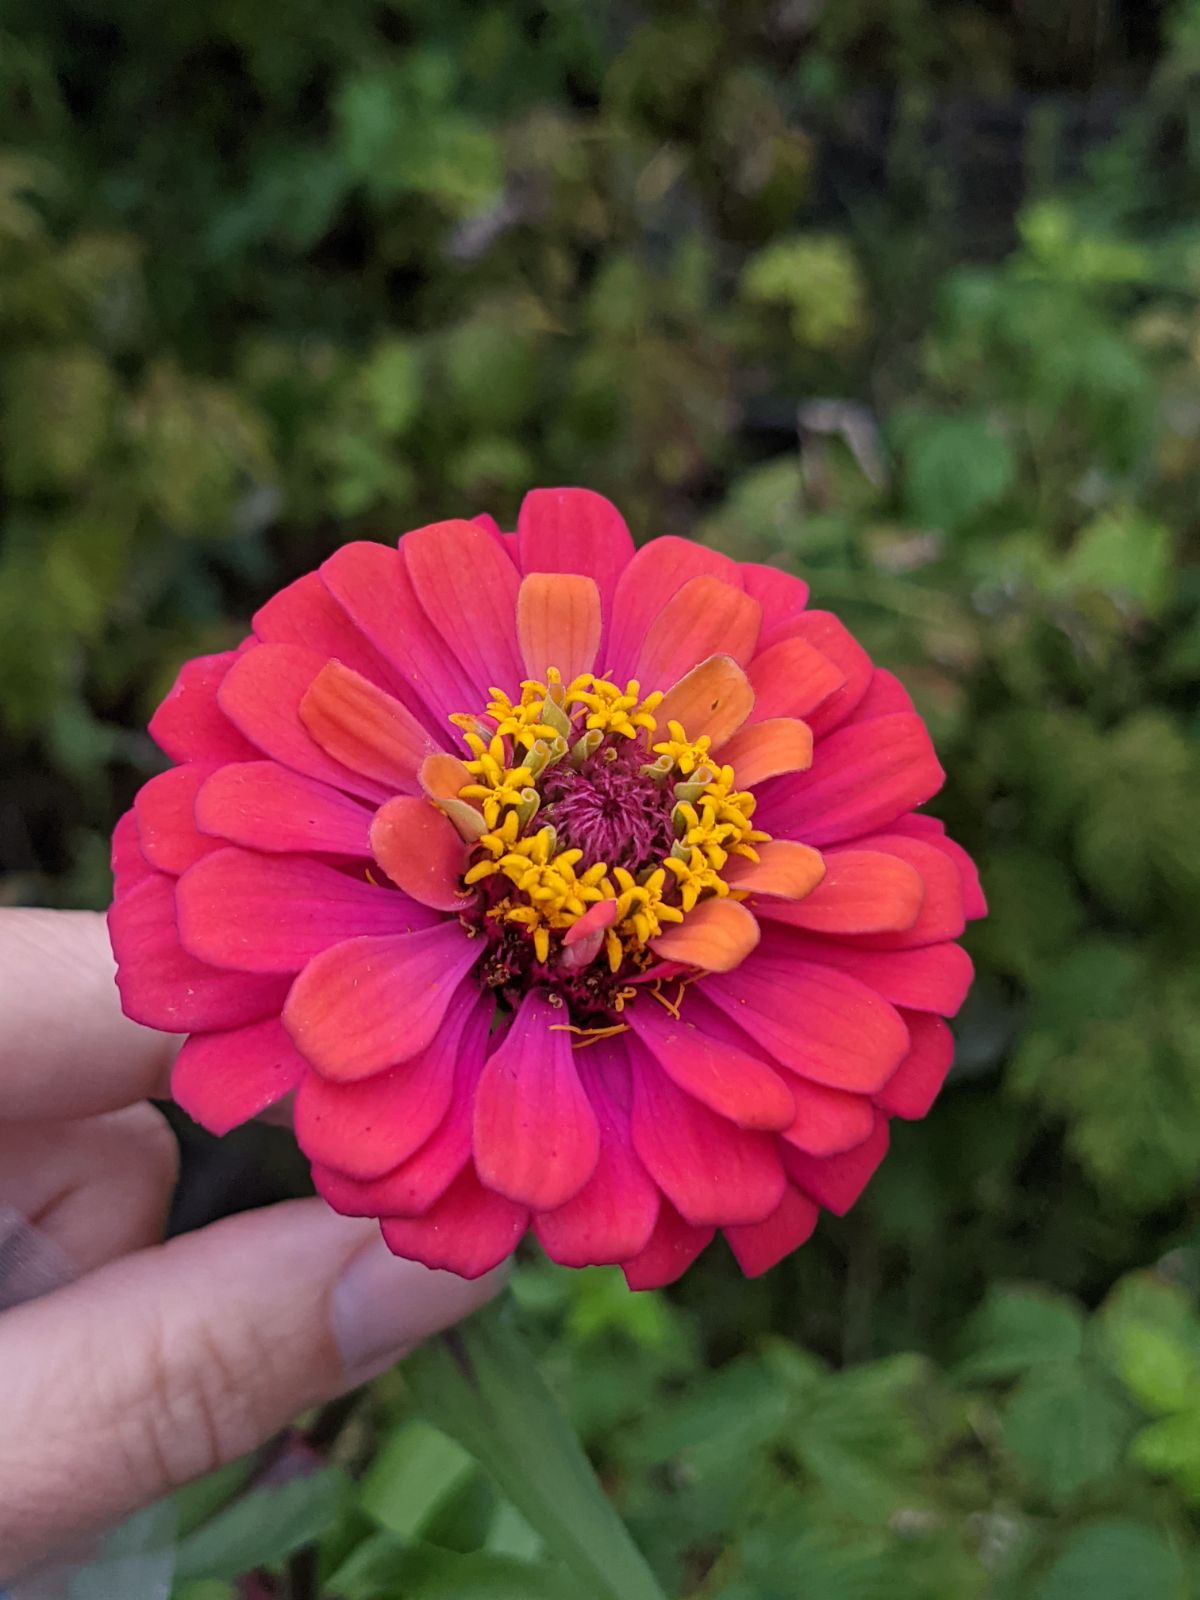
(817, 278)
(57, 410)
(1067, 1428)
(865, 1436)
(385, 1567)
(1170, 1449)
(480, 1385)
(264, 1526)
(957, 467)
(417, 1470)
(1116, 1560)
(1016, 1329)
(1126, 555)
(1150, 1334)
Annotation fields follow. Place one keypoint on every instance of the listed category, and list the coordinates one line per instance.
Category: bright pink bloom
(570, 888)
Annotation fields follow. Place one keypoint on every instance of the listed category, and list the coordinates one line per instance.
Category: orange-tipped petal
(791, 679)
(421, 851)
(705, 615)
(714, 698)
(784, 869)
(769, 749)
(717, 936)
(863, 891)
(558, 623)
(441, 777)
(364, 727)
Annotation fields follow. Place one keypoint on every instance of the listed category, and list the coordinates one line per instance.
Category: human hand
(163, 1361)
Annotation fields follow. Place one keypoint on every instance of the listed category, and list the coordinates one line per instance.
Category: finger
(168, 1363)
(97, 1188)
(66, 1050)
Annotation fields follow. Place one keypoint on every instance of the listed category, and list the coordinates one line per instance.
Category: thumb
(164, 1365)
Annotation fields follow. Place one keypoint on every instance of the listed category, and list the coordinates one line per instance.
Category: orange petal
(441, 777)
(717, 936)
(714, 698)
(784, 868)
(767, 749)
(705, 615)
(362, 726)
(863, 891)
(421, 851)
(792, 678)
(558, 623)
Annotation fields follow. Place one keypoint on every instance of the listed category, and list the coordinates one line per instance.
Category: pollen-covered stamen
(595, 841)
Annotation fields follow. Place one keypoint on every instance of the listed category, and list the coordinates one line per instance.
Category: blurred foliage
(901, 294)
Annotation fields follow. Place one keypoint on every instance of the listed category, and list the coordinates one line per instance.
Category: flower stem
(480, 1385)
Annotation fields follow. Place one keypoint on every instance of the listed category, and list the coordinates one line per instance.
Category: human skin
(162, 1361)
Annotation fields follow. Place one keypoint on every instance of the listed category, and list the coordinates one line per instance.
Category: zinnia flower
(569, 887)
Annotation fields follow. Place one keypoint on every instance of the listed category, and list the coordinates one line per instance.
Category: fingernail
(383, 1307)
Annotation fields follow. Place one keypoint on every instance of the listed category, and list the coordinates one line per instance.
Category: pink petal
(914, 1085)
(365, 728)
(935, 977)
(656, 573)
(673, 1246)
(372, 1002)
(885, 696)
(129, 865)
(759, 1246)
(371, 584)
(862, 778)
(832, 638)
(792, 679)
(727, 1079)
(782, 597)
(768, 750)
(469, 1230)
(575, 530)
(863, 891)
(262, 694)
(702, 618)
(836, 1182)
(264, 806)
(368, 1128)
(417, 1182)
(934, 832)
(165, 809)
(467, 587)
(558, 624)
(710, 1170)
(421, 851)
(164, 987)
(941, 914)
(306, 613)
(536, 1136)
(613, 1215)
(223, 1079)
(816, 1021)
(189, 725)
(256, 913)
(828, 1121)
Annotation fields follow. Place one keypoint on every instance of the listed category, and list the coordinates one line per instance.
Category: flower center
(591, 833)
(609, 808)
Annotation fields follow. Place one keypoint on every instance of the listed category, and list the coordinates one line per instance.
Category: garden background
(903, 295)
